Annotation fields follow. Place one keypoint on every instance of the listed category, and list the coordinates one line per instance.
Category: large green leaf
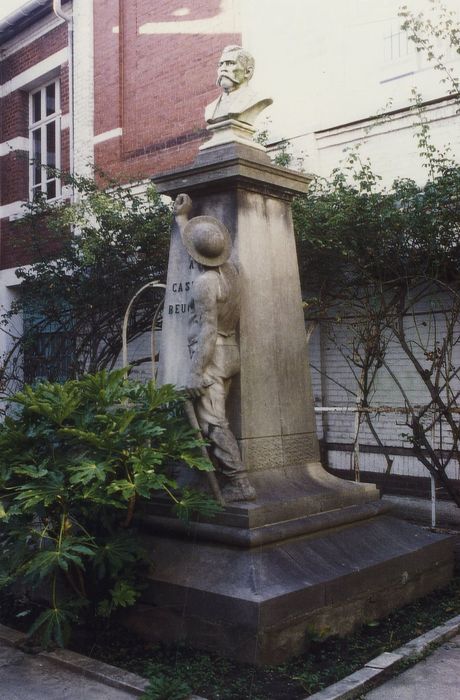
(88, 471)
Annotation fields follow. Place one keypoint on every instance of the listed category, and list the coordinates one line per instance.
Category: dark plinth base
(261, 604)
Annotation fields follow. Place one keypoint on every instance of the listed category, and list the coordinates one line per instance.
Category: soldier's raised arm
(182, 208)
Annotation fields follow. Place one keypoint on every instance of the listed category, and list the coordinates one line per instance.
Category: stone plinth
(262, 604)
(313, 554)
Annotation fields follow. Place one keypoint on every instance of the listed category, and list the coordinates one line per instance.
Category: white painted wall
(391, 146)
(327, 64)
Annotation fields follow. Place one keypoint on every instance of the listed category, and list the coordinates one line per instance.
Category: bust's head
(236, 68)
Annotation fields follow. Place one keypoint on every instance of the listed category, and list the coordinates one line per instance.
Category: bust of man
(237, 101)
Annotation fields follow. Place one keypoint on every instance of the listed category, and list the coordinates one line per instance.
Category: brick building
(152, 78)
(122, 84)
(35, 117)
(115, 84)
(112, 84)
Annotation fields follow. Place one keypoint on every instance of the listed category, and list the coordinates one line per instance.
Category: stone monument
(311, 554)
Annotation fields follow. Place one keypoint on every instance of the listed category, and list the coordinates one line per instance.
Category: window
(49, 348)
(396, 45)
(45, 140)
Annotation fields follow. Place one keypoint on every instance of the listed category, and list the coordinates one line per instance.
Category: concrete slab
(434, 677)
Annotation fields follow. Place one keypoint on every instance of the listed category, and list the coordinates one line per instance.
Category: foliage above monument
(351, 232)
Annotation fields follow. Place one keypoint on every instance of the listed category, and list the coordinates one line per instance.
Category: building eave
(23, 18)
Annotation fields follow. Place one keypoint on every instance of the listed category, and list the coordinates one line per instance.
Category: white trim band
(12, 210)
(8, 277)
(106, 135)
(28, 77)
(19, 143)
(65, 121)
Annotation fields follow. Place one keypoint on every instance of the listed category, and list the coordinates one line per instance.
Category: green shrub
(164, 688)
(75, 458)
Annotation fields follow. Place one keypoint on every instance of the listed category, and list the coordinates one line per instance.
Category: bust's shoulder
(243, 104)
(211, 108)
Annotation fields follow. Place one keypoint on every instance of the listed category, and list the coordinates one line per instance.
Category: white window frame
(41, 125)
(405, 48)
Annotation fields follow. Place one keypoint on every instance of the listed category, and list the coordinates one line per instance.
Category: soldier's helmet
(207, 241)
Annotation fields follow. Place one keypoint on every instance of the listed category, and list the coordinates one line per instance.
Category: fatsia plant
(75, 458)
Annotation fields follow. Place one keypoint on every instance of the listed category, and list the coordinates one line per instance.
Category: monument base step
(290, 502)
(262, 604)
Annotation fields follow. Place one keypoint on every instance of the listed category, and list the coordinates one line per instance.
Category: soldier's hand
(182, 205)
(195, 387)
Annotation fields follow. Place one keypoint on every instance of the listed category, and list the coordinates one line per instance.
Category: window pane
(48, 353)
(51, 144)
(44, 142)
(51, 189)
(50, 99)
(37, 106)
(37, 156)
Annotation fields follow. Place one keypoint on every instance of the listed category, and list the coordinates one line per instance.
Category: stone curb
(376, 670)
(77, 663)
(10, 636)
(97, 670)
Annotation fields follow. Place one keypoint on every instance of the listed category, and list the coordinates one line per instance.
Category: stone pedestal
(262, 604)
(313, 554)
(270, 405)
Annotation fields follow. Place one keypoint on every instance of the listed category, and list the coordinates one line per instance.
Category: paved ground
(435, 678)
(26, 677)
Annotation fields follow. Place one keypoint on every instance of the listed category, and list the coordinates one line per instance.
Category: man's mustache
(225, 75)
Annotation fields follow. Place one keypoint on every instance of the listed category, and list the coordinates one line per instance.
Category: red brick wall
(14, 176)
(107, 59)
(64, 87)
(12, 251)
(154, 86)
(14, 110)
(65, 150)
(14, 122)
(20, 245)
(33, 53)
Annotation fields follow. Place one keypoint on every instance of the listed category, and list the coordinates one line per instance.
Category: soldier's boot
(226, 451)
(239, 490)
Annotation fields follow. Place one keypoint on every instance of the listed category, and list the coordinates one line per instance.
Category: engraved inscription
(181, 286)
(273, 452)
(179, 308)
